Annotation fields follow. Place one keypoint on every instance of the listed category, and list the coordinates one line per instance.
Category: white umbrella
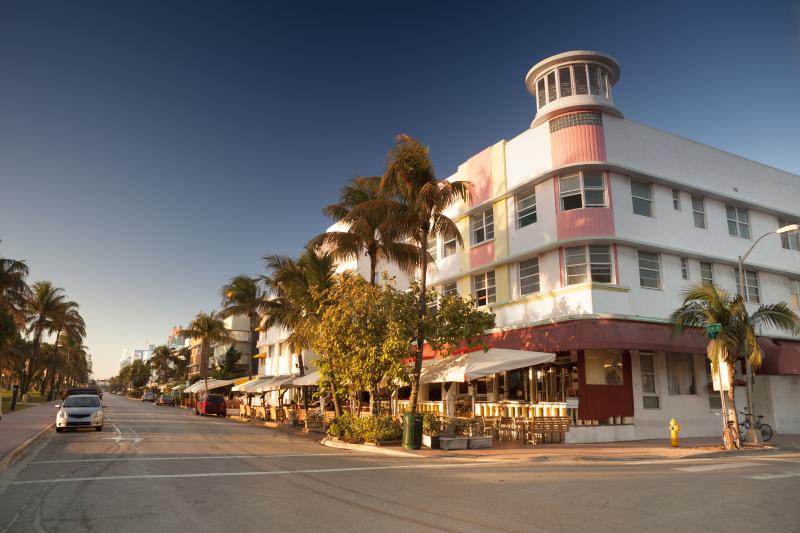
(474, 365)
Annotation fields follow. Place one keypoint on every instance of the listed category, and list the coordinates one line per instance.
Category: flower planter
(476, 443)
(453, 443)
(430, 441)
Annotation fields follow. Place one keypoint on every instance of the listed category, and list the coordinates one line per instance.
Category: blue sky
(151, 150)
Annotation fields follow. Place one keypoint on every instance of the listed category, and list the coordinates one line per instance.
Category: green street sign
(712, 330)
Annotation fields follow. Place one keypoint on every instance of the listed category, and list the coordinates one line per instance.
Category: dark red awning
(780, 357)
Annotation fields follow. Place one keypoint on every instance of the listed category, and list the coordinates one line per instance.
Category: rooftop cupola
(577, 80)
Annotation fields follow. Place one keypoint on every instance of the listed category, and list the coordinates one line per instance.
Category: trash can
(412, 431)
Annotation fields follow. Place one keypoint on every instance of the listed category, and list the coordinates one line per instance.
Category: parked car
(166, 399)
(148, 397)
(83, 390)
(213, 404)
(80, 410)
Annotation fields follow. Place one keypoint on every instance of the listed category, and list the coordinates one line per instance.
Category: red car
(213, 404)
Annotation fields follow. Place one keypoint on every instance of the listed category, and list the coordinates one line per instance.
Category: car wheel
(99, 428)
(59, 430)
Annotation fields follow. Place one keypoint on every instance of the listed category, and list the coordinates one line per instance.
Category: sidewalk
(19, 430)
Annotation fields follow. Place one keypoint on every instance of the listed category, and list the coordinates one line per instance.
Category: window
(449, 247)
(483, 288)
(706, 274)
(738, 221)
(529, 276)
(526, 208)
(597, 269)
(642, 195)
(676, 199)
(699, 212)
(789, 240)
(583, 118)
(586, 189)
(649, 275)
(794, 294)
(432, 248)
(483, 226)
(752, 293)
(714, 401)
(680, 374)
(565, 81)
(540, 93)
(552, 88)
(603, 367)
(581, 84)
(450, 289)
(684, 268)
(647, 368)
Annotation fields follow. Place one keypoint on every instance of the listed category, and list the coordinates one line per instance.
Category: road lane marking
(250, 473)
(720, 466)
(267, 456)
(765, 477)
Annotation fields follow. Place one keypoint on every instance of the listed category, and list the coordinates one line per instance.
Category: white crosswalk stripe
(766, 477)
(718, 466)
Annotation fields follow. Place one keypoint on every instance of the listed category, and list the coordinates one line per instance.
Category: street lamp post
(753, 435)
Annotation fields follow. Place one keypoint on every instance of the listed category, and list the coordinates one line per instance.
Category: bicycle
(730, 437)
(763, 427)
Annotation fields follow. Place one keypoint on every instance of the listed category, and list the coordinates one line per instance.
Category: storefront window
(516, 384)
(603, 367)
(680, 374)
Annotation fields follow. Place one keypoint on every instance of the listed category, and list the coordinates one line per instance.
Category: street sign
(721, 379)
(712, 330)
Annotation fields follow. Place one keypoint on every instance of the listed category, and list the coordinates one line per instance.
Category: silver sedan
(80, 410)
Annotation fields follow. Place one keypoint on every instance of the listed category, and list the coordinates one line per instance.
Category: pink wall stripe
(576, 144)
(479, 171)
(480, 255)
(586, 222)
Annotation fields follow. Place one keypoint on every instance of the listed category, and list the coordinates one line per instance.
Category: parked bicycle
(730, 437)
(766, 429)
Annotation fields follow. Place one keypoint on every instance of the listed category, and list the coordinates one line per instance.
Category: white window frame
(654, 375)
(528, 273)
(449, 247)
(706, 280)
(450, 289)
(484, 288)
(648, 267)
(794, 293)
(752, 286)
(789, 240)
(591, 269)
(685, 268)
(741, 221)
(648, 199)
(530, 210)
(581, 175)
(699, 212)
(483, 221)
(676, 199)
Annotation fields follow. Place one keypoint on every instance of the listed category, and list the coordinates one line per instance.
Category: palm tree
(66, 320)
(13, 288)
(370, 232)
(181, 361)
(243, 296)
(415, 201)
(704, 305)
(162, 356)
(208, 328)
(77, 364)
(40, 305)
(295, 300)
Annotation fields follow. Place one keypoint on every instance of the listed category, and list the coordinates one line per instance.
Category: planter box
(453, 443)
(430, 441)
(476, 443)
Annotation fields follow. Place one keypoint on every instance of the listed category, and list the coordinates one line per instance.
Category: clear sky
(151, 150)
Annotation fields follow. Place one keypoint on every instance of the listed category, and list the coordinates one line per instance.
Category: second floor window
(684, 268)
(450, 289)
(449, 247)
(752, 292)
(484, 289)
(529, 276)
(706, 274)
(642, 196)
(483, 226)
(794, 294)
(649, 271)
(432, 248)
(738, 221)
(526, 208)
(699, 212)
(586, 189)
(676, 199)
(588, 263)
(789, 240)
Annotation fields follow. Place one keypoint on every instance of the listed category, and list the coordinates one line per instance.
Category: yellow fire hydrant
(674, 428)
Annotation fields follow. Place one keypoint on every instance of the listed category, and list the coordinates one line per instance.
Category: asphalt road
(163, 469)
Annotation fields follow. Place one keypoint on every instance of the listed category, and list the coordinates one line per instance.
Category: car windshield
(82, 401)
(215, 399)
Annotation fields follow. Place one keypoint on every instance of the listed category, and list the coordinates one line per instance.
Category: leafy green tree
(704, 305)
(242, 295)
(139, 374)
(416, 201)
(370, 232)
(160, 361)
(40, 306)
(226, 368)
(13, 288)
(209, 329)
(66, 320)
(181, 362)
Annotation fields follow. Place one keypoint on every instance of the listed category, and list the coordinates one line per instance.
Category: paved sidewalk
(16, 428)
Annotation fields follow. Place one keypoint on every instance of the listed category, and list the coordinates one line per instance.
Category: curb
(381, 450)
(14, 454)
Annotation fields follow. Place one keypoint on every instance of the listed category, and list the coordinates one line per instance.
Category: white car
(80, 411)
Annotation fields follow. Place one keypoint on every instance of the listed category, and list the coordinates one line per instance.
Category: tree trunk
(253, 346)
(374, 401)
(28, 371)
(732, 414)
(303, 390)
(373, 266)
(204, 363)
(53, 367)
(337, 410)
(423, 262)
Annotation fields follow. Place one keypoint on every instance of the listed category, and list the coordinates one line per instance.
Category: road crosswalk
(734, 465)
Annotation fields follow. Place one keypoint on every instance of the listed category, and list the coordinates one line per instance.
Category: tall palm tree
(13, 288)
(162, 356)
(40, 305)
(415, 200)
(181, 362)
(77, 362)
(242, 295)
(370, 232)
(704, 305)
(66, 320)
(208, 328)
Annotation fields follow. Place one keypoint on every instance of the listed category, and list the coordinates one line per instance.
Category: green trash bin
(412, 431)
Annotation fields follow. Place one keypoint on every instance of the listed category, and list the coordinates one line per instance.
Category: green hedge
(367, 429)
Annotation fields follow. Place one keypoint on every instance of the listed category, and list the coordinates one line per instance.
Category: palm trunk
(732, 414)
(423, 262)
(373, 267)
(253, 346)
(53, 367)
(204, 363)
(27, 375)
